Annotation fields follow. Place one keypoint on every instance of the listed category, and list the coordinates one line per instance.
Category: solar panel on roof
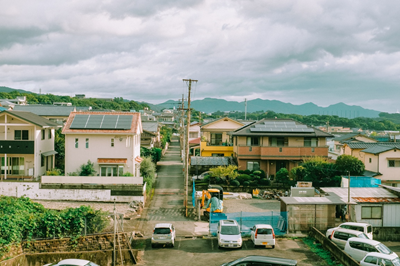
(281, 130)
(118, 122)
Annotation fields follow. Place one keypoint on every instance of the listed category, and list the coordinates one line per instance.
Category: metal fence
(246, 220)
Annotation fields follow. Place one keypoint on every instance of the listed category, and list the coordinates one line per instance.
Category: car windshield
(162, 231)
(363, 236)
(396, 262)
(383, 249)
(230, 230)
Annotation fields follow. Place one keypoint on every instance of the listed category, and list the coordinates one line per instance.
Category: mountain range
(210, 105)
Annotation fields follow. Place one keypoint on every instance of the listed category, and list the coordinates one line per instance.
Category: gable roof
(49, 110)
(379, 149)
(150, 126)
(365, 145)
(32, 118)
(279, 127)
(221, 119)
(135, 127)
(351, 137)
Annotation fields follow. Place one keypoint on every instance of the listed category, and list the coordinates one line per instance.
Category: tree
(87, 169)
(227, 173)
(347, 163)
(59, 147)
(148, 172)
(282, 176)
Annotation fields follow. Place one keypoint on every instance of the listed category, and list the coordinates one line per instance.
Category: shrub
(265, 182)
(246, 183)
(247, 172)
(54, 171)
(235, 183)
(87, 169)
(242, 178)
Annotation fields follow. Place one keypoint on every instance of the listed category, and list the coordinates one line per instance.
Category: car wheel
(273, 246)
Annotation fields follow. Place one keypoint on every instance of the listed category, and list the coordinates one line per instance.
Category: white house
(110, 140)
(26, 144)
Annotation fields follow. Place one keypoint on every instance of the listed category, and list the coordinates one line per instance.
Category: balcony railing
(17, 146)
(281, 152)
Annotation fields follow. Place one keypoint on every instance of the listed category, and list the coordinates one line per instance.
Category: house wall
(389, 173)
(194, 130)
(390, 215)
(32, 190)
(372, 166)
(100, 147)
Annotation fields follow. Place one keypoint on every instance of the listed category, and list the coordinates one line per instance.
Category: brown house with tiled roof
(272, 144)
(110, 140)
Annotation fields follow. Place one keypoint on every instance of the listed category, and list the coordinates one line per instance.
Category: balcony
(17, 146)
(208, 149)
(288, 152)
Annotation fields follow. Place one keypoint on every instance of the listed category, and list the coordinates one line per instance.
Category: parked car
(73, 262)
(340, 236)
(263, 235)
(164, 234)
(357, 248)
(362, 227)
(201, 176)
(229, 235)
(261, 260)
(375, 258)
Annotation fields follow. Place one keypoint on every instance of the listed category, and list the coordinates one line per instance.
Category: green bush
(246, 183)
(54, 172)
(235, 183)
(87, 169)
(265, 182)
(243, 177)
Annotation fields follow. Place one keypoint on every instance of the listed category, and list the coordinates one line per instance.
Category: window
(49, 134)
(253, 141)
(43, 133)
(111, 170)
(371, 212)
(193, 135)
(310, 142)
(21, 135)
(217, 155)
(112, 142)
(216, 139)
(13, 165)
(253, 166)
(278, 141)
(42, 158)
(370, 160)
(394, 163)
(76, 143)
(87, 143)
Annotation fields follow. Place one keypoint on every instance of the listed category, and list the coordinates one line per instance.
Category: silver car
(163, 234)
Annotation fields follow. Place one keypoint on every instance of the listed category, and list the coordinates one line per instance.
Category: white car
(340, 236)
(229, 235)
(375, 258)
(73, 262)
(357, 248)
(163, 234)
(263, 235)
(362, 227)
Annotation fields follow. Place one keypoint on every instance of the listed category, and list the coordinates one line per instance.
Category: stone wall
(96, 248)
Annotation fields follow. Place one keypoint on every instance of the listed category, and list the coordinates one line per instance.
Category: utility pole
(187, 146)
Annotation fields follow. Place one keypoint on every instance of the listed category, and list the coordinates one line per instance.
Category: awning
(138, 159)
(112, 160)
(48, 153)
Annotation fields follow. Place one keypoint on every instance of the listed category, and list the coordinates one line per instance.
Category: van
(357, 248)
(229, 235)
(340, 236)
(362, 227)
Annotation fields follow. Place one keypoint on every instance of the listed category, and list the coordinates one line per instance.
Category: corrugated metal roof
(376, 200)
(370, 192)
(150, 126)
(329, 200)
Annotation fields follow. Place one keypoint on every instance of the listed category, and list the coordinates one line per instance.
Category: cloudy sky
(320, 51)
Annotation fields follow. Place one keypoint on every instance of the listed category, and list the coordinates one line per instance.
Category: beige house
(383, 160)
(339, 142)
(216, 140)
(26, 144)
(110, 140)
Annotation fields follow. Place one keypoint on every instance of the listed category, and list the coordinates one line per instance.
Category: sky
(320, 51)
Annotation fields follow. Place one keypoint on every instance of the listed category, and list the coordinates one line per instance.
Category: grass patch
(320, 251)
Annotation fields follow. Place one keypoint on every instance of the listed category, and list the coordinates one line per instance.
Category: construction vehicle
(212, 200)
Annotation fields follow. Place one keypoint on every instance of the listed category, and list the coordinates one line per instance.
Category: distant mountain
(8, 90)
(210, 105)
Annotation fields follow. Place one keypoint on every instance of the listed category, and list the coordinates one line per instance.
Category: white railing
(100, 180)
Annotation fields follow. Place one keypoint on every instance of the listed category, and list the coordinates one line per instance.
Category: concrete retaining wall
(337, 252)
(32, 190)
